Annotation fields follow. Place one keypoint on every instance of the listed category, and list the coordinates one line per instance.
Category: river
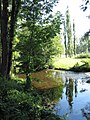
(75, 101)
(72, 101)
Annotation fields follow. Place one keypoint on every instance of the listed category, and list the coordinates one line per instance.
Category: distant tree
(69, 33)
(74, 39)
(65, 38)
(84, 46)
(86, 41)
(86, 5)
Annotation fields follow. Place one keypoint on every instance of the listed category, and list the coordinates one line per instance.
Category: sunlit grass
(66, 63)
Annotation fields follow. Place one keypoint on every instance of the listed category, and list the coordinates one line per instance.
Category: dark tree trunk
(7, 37)
(11, 37)
(14, 12)
(0, 19)
(4, 37)
(0, 36)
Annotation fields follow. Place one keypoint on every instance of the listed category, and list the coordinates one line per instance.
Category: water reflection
(69, 91)
(50, 96)
(73, 100)
(76, 94)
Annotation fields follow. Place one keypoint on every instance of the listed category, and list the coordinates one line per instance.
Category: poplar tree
(69, 33)
(74, 39)
(65, 38)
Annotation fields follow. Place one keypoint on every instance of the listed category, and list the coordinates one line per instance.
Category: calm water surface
(75, 101)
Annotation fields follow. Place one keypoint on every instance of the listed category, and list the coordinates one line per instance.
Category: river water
(75, 101)
(72, 101)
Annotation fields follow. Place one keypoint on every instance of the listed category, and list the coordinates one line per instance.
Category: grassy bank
(74, 64)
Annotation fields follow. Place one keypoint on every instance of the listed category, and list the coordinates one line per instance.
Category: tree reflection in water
(76, 88)
(69, 91)
(75, 96)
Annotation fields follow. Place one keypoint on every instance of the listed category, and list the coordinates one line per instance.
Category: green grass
(67, 63)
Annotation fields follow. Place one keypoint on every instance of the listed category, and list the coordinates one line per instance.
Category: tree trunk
(4, 37)
(14, 12)
(11, 37)
(28, 82)
(0, 37)
(0, 20)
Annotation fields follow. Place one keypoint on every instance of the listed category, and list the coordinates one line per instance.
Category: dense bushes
(17, 104)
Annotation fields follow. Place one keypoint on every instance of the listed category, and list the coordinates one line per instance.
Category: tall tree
(8, 13)
(14, 11)
(65, 38)
(0, 19)
(4, 36)
(69, 33)
(74, 38)
(35, 17)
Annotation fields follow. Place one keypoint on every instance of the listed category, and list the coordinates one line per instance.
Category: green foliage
(37, 46)
(57, 46)
(17, 104)
(36, 29)
(84, 45)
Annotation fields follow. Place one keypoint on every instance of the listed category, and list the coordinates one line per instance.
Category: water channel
(74, 103)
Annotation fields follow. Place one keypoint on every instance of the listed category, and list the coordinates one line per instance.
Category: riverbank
(72, 64)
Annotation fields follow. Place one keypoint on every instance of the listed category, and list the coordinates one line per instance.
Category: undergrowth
(18, 104)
